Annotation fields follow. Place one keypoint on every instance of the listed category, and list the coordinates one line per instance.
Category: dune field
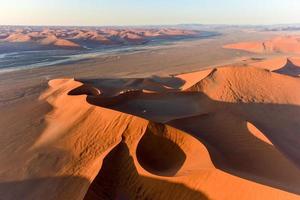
(228, 132)
(76, 38)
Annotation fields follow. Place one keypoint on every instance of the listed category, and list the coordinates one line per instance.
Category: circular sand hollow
(85, 89)
(158, 154)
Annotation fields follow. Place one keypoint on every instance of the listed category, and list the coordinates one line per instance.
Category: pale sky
(147, 12)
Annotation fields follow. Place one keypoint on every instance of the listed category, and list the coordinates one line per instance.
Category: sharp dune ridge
(226, 106)
(291, 68)
(224, 133)
(282, 65)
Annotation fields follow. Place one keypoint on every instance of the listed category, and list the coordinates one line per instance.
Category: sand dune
(53, 40)
(282, 65)
(225, 133)
(280, 44)
(17, 37)
(91, 36)
(234, 120)
(79, 37)
(292, 67)
(40, 39)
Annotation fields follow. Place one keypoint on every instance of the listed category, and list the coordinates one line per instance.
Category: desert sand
(203, 135)
(279, 44)
(76, 38)
(227, 132)
(282, 65)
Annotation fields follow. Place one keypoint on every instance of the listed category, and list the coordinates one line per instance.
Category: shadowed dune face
(291, 68)
(228, 133)
(57, 186)
(119, 179)
(114, 87)
(282, 65)
(85, 89)
(169, 152)
(158, 154)
(245, 153)
(240, 121)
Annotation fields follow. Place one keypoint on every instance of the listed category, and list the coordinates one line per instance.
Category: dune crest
(282, 65)
(232, 130)
(257, 133)
(232, 119)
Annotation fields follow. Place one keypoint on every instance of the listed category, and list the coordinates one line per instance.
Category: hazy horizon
(149, 25)
(147, 13)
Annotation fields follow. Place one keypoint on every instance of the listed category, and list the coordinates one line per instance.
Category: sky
(148, 12)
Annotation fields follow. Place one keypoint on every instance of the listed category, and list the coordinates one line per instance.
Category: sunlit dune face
(222, 133)
(233, 136)
(280, 44)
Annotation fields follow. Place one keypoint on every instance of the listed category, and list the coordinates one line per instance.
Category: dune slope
(279, 44)
(226, 133)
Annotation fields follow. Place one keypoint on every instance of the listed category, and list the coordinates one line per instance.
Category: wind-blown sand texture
(225, 133)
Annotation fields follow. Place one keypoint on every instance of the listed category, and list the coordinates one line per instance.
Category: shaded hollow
(157, 153)
(119, 179)
(85, 89)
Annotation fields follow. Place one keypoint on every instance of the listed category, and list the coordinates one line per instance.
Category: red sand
(282, 65)
(227, 133)
(280, 44)
(75, 38)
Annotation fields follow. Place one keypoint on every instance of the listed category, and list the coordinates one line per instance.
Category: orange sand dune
(92, 36)
(234, 112)
(226, 133)
(280, 44)
(53, 40)
(270, 64)
(282, 65)
(82, 37)
(40, 39)
(292, 67)
(18, 37)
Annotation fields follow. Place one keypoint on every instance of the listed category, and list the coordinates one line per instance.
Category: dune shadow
(113, 87)
(222, 128)
(289, 69)
(158, 154)
(236, 150)
(118, 178)
(48, 188)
